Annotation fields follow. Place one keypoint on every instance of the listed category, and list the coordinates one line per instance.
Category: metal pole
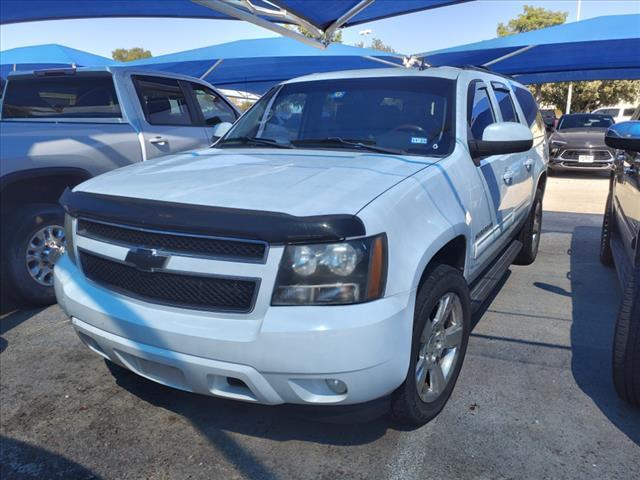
(570, 92)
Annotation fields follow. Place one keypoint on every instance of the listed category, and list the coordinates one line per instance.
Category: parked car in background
(619, 247)
(328, 250)
(619, 114)
(549, 118)
(61, 127)
(578, 143)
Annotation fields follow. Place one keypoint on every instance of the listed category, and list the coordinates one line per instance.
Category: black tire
(551, 172)
(20, 228)
(608, 225)
(626, 343)
(407, 407)
(530, 234)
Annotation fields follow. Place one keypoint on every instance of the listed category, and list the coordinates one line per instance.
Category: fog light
(336, 386)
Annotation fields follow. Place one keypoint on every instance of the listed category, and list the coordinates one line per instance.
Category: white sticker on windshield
(421, 140)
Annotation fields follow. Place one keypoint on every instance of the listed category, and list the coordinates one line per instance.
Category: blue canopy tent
(255, 65)
(601, 48)
(38, 57)
(320, 17)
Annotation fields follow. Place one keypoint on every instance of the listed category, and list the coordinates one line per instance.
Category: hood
(581, 137)
(297, 182)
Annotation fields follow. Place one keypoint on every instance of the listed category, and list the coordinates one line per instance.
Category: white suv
(329, 249)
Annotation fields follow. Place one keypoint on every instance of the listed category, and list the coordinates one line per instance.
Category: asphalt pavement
(534, 399)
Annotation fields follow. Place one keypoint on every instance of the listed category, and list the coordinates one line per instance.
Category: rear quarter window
(527, 104)
(65, 96)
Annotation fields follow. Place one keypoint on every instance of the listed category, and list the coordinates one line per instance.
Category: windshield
(386, 114)
(585, 121)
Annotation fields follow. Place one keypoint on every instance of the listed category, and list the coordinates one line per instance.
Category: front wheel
(626, 343)
(31, 245)
(441, 328)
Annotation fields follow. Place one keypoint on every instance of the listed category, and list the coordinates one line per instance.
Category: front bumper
(283, 357)
(567, 159)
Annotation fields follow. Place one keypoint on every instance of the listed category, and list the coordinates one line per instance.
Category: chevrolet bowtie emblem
(146, 259)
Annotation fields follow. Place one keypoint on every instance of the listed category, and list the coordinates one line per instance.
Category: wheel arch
(450, 250)
(38, 185)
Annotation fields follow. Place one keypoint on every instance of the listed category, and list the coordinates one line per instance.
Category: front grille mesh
(574, 154)
(212, 247)
(187, 291)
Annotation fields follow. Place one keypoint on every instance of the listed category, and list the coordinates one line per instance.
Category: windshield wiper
(269, 142)
(336, 141)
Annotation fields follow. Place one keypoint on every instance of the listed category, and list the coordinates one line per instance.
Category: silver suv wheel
(45, 248)
(439, 347)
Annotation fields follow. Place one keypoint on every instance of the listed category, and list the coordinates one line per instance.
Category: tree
(531, 19)
(130, 54)
(587, 96)
(335, 38)
(377, 44)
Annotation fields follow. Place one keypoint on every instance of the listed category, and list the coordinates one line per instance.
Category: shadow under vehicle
(619, 247)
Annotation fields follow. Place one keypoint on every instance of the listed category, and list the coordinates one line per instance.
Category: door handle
(528, 163)
(508, 177)
(159, 141)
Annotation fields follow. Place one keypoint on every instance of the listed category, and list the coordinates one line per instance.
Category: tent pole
(211, 69)
(386, 62)
(225, 7)
(508, 55)
(344, 19)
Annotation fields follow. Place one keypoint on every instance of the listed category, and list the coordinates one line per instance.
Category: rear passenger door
(518, 173)
(171, 122)
(496, 170)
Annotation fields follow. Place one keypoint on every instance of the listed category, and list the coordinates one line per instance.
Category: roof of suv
(441, 72)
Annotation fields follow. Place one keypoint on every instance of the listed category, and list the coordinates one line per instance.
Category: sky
(413, 33)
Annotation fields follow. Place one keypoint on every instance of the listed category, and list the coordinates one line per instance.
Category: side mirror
(502, 138)
(624, 136)
(220, 130)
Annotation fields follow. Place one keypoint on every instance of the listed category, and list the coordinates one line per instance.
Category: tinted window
(584, 121)
(528, 104)
(411, 115)
(505, 103)
(628, 112)
(480, 113)
(608, 111)
(65, 96)
(214, 109)
(163, 101)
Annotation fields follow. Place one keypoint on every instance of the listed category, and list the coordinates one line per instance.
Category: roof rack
(482, 68)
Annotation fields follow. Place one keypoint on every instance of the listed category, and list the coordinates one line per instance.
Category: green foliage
(335, 38)
(130, 54)
(533, 18)
(586, 96)
(377, 44)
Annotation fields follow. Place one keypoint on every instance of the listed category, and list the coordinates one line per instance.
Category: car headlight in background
(68, 233)
(341, 273)
(555, 146)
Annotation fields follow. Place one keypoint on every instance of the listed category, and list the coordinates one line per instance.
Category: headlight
(332, 274)
(68, 233)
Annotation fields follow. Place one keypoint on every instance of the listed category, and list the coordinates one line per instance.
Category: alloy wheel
(45, 247)
(439, 347)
